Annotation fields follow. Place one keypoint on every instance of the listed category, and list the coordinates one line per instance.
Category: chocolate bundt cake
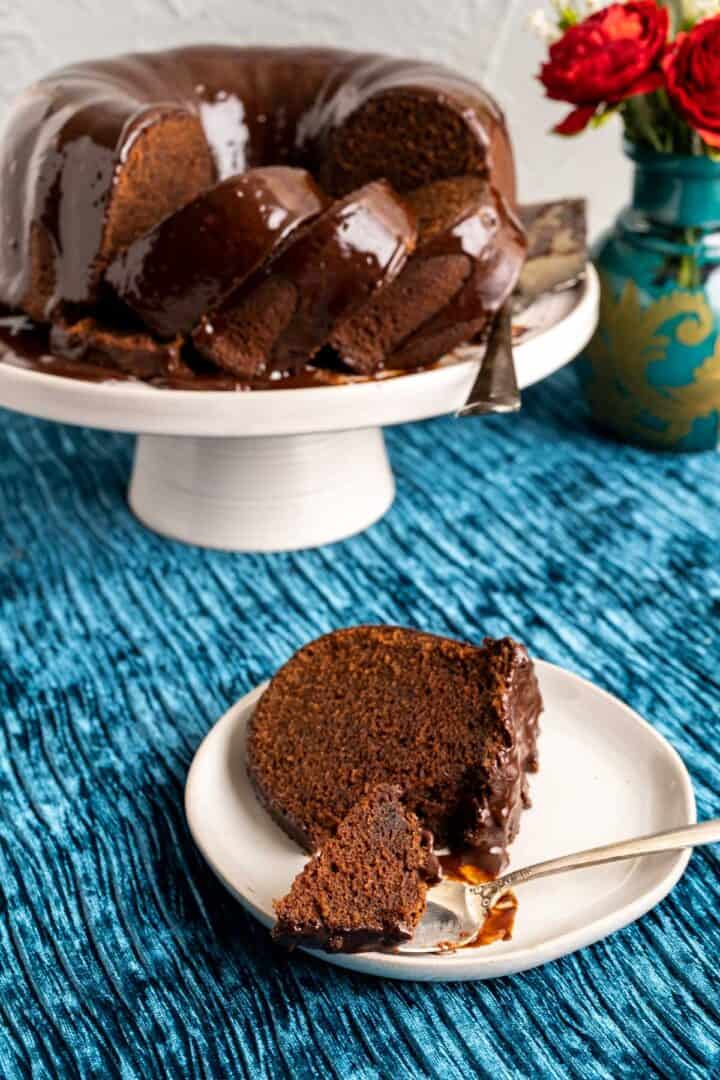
(327, 269)
(454, 725)
(117, 185)
(366, 888)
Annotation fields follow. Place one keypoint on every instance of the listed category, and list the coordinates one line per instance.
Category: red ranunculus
(606, 58)
(692, 77)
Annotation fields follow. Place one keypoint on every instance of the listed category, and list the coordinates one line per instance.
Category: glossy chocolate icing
(131, 352)
(494, 242)
(191, 260)
(332, 265)
(26, 344)
(70, 134)
(490, 820)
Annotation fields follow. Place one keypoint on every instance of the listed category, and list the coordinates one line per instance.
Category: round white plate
(605, 775)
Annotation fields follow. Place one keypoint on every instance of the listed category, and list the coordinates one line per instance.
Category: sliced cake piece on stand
(470, 250)
(192, 259)
(278, 322)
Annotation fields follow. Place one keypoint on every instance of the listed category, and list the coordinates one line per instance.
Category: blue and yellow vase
(651, 373)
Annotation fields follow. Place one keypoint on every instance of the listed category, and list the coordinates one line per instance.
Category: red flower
(692, 76)
(608, 57)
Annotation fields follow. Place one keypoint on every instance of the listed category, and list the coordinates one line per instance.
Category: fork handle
(674, 840)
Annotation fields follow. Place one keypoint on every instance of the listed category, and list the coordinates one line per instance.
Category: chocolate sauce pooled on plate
(468, 867)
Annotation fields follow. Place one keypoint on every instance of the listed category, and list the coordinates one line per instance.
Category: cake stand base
(262, 494)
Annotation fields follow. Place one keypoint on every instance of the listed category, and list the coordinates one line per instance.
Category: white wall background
(488, 39)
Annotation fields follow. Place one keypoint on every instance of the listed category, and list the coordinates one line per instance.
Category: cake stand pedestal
(278, 470)
(262, 494)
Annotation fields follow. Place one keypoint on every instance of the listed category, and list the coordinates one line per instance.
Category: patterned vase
(651, 373)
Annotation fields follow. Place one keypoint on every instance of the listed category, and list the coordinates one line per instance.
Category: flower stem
(689, 272)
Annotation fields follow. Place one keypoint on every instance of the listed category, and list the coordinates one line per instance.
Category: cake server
(456, 914)
(557, 253)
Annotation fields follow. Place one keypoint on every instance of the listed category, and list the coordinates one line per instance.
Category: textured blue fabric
(119, 952)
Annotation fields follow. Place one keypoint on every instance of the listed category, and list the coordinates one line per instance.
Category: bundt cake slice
(493, 241)
(191, 260)
(460, 221)
(367, 886)
(329, 268)
(454, 725)
(84, 200)
(127, 350)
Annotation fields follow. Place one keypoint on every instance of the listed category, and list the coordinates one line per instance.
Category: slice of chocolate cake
(130, 350)
(454, 725)
(447, 292)
(435, 272)
(191, 260)
(494, 241)
(329, 268)
(366, 888)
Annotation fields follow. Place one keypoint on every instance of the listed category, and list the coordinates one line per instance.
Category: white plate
(605, 774)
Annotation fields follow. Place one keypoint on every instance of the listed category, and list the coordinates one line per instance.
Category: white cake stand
(277, 470)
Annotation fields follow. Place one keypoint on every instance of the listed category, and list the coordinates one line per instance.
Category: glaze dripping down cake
(253, 212)
(453, 725)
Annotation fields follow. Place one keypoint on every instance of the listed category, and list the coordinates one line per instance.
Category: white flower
(696, 10)
(541, 25)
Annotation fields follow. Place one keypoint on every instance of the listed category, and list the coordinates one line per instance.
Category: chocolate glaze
(190, 261)
(494, 241)
(331, 266)
(127, 351)
(489, 821)
(499, 924)
(70, 133)
(463, 866)
(26, 344)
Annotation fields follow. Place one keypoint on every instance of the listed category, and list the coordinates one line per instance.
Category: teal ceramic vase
(651, 373)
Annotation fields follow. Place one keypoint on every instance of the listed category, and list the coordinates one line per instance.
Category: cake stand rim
(135, 408)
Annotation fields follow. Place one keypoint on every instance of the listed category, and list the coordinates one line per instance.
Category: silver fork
(446, 927)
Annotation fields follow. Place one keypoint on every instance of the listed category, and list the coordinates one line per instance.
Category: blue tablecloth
(119, 952)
